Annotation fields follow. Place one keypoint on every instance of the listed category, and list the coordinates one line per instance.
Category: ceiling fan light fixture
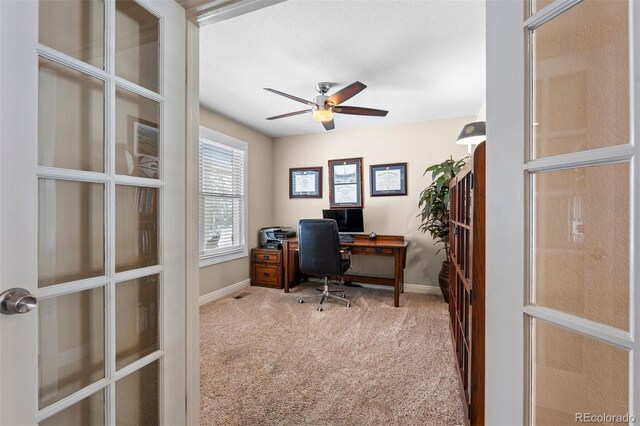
(323, 107)
(322, 114)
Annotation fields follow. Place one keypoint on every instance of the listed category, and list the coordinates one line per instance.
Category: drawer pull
(266, 257)
(266, 274)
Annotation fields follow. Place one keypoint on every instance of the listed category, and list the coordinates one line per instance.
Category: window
(223, 198)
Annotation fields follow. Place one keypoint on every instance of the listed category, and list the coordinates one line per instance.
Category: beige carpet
(268, 360)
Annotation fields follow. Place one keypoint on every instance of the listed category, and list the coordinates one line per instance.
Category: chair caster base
(325, 295)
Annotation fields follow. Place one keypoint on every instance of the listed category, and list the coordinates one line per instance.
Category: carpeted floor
(268, 360)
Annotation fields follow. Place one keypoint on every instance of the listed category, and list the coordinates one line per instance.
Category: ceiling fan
(323, 107)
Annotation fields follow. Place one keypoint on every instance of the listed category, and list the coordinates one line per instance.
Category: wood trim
(478, 288)
(380, 240)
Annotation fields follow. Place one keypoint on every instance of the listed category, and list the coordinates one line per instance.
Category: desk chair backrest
(319, 247)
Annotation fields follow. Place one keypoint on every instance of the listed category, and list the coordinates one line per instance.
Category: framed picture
(145, 139)
(388, 179)
(305, 182)
(345, 183)
(137, 155)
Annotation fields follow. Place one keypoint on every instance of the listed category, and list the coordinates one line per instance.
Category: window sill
(214, 260)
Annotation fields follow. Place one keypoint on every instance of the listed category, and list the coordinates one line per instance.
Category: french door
(92, 133)
(563, 272)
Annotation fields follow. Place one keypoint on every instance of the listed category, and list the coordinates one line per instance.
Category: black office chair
(320, 255)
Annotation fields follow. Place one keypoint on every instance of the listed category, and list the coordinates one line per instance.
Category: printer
(271, 236)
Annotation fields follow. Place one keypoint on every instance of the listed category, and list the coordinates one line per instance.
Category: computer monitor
(350, 221)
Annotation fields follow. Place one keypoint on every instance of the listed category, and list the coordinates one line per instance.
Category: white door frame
(506, 228)
(504, 335)
(206, 13)
(192, 225)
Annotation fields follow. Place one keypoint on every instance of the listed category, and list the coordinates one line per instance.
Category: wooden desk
(384, 245)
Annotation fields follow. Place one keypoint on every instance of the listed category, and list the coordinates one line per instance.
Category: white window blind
(223, 198)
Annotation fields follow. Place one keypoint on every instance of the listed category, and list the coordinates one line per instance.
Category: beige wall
(260, 202)
(418, 144)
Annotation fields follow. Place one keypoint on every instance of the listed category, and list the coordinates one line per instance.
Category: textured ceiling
(421, 60)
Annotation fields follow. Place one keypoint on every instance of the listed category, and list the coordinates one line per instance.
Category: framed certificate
(145, 139)
(305, 182)
(345, 183)
(388, 179)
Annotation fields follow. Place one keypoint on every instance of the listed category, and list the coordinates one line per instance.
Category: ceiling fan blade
(360, 111)
(286, 95)
(328, 125)
(275, 117)
(347, 93)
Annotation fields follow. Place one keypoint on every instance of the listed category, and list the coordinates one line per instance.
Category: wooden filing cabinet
(266, 267)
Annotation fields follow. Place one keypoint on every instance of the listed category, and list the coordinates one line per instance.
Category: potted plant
(434, 202)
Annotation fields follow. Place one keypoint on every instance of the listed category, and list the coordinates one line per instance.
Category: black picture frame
(388, 179)
(345, 183)
(308, 176)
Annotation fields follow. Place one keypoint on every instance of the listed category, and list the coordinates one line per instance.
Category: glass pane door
(100, 189)
(580, 169)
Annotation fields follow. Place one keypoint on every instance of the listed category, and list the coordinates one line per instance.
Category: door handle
(17, 301)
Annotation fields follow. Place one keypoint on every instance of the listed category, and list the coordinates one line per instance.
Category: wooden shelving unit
(466, 278)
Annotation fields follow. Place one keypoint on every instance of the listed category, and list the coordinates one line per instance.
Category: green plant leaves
(434, 201)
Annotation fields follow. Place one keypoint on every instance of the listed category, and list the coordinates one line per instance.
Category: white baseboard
(408, 288)
(423, 289)
(219, 294)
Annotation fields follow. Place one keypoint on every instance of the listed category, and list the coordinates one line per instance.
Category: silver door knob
(17, 301)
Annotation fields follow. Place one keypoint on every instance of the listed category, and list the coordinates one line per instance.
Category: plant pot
(443, 280)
